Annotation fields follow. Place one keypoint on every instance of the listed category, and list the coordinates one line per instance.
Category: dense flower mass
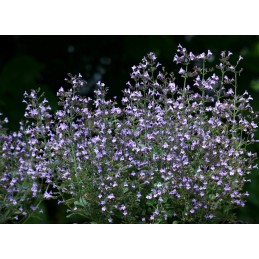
(24, 173)
(169, 153)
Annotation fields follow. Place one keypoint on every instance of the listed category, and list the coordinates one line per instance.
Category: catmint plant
(170, 153)
(175, 150)
(25, 179)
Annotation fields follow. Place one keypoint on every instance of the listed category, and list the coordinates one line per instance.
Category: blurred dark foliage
(30, 62)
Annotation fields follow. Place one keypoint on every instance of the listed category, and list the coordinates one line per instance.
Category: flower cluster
(25, 177)
(168, 153)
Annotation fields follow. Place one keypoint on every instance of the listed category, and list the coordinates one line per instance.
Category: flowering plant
(25, 178)
(171, 152)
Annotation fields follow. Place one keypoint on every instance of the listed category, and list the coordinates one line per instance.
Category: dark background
(30, 62)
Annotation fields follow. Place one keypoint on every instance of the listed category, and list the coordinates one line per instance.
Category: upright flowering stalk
(25, 175)
(76, 146)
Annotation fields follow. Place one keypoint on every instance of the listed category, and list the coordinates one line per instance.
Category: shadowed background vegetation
(30, 62)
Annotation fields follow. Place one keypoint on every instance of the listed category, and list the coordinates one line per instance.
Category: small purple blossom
(48, 195)
(181, 71)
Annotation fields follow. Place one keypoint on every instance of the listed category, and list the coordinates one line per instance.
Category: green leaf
(81, 202)
(150, 203)
(125, 190)
(158, 151)
(70, 215)
(69, 201)
(212, 197)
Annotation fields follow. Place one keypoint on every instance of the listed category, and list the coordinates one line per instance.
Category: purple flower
(63, 126)
(149, 197)
(181, 71)
(111, 196)
(48, 195)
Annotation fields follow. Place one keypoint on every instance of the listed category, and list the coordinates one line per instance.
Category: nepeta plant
(24, 177)
(169, 153)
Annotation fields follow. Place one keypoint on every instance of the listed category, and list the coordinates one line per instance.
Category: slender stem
(235, 109)
(203, 76)
(185, 78)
